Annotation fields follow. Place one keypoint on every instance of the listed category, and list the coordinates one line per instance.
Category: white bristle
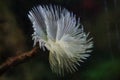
(59, 31)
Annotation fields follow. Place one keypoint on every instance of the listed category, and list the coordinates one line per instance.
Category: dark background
(100, 17)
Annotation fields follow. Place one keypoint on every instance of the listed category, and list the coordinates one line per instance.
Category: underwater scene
(59, 39)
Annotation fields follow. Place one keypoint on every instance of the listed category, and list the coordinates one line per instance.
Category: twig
(15, 60)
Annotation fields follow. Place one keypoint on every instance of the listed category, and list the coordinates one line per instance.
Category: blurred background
(100, 17)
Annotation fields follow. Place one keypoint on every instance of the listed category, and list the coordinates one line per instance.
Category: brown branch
(15, 60)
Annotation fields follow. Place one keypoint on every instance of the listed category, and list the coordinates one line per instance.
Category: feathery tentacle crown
(62, 34)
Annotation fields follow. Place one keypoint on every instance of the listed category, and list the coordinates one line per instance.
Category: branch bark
(15, 60)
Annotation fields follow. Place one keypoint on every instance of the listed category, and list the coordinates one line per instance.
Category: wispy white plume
(62, 34)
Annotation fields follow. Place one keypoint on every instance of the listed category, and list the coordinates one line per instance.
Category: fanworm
(62, 34)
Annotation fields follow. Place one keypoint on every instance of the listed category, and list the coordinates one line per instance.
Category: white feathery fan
(62, 34)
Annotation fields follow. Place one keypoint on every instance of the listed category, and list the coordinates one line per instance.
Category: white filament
(62, 34)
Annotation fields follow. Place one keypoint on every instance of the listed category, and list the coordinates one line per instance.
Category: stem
(15, 60)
